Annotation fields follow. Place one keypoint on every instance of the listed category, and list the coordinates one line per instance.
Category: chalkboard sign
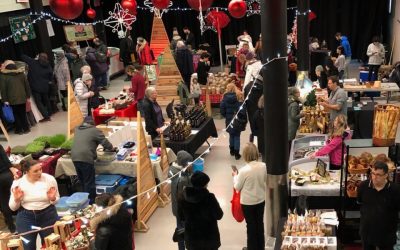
(321, 168)
(22, 28)
(75, 33)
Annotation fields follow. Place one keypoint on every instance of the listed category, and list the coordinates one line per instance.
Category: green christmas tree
(311, 99)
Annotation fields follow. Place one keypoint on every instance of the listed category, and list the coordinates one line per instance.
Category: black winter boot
(231, 151)
(237, 155)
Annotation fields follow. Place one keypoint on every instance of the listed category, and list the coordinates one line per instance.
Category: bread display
(386, 119)
(315, 120)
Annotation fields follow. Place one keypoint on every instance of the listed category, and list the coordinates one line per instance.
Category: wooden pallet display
(147, 203)
(75, 117)
(62, 229)
(53, 242)
(159, 38)
(165, 190)
(15, 244)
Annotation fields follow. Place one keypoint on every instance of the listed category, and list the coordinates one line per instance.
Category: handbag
(8, 113)
(236, 208)
(179, 235)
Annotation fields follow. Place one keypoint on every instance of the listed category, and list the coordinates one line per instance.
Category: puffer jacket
(113, 230)
(229, 106)
(61, 72)
(82, 95)
(14, 86)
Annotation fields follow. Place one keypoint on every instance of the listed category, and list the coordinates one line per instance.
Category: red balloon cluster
(217, 17)
(130, 5)
(160, 4)
(66, 9)
(237, 8)
(91, 13)
(205, 4)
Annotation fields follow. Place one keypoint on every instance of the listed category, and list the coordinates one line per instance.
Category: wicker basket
(386, 119)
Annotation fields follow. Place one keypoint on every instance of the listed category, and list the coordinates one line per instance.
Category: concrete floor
(217, 166)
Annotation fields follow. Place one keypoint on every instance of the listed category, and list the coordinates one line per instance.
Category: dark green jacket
(14, 86)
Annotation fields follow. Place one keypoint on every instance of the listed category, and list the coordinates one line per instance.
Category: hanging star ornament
(150, 5)
(120, 20)
(253, 7)
(204, 23)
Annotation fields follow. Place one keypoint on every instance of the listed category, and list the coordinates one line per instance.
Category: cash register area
(217, 164)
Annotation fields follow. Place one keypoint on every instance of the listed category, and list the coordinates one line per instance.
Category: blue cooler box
(77, 200)
(198, 165)
(107, 183)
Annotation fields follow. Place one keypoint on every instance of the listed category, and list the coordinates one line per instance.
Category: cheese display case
(304, 146)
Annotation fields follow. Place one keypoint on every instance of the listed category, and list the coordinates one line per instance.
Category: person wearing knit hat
(82, 92)
(178, 184)
(201, 211)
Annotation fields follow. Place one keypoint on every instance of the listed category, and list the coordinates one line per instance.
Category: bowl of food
(300, 181)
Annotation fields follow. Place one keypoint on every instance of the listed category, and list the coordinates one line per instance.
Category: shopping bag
(8, 113)
(237, 207)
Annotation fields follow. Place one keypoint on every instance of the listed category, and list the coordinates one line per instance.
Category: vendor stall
(197, 137)
(100, 117)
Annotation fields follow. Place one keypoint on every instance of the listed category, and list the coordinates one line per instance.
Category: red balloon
(91, 13)
(130, 5)
(205, 4)
(160, 4)
(67, 9)
(237, 8)
(216, 18)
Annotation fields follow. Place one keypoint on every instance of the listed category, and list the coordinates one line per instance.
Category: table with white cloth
(388, 87)
(65, 166)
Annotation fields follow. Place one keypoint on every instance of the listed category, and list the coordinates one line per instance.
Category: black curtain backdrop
(359, 20)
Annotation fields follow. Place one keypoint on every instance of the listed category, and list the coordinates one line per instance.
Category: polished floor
(162, 222)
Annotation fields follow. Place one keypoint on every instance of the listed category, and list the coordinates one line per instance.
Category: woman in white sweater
(250, 181)
(34, 196)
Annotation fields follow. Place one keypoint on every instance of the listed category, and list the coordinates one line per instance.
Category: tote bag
(237, 207)
(8, 113)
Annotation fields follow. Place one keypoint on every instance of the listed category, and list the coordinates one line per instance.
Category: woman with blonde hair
(333, 146)
(250, 182)
(235, 119)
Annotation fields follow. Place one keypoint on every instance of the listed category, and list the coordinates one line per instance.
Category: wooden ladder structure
(168, 75)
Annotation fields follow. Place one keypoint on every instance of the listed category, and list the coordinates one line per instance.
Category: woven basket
(386, 119)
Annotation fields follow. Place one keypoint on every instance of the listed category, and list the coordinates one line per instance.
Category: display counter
(304, 146)
(388, 87)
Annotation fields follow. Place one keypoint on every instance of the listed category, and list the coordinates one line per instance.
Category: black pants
(64, 99)
(86, 175)
(43, 103)
(373, 247)
(6, 180)
(375, 69)
(21, 122)
(254, 216)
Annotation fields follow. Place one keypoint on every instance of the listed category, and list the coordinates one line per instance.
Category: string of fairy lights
(168, 180)
(42, 15)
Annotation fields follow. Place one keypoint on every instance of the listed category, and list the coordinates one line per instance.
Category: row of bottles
(196, 115)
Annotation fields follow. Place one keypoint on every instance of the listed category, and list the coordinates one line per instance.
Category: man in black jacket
(189, 38)
(152, 113)
(380, 204)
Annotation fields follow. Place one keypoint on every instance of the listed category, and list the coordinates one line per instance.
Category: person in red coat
(138, 85)
(143, 51)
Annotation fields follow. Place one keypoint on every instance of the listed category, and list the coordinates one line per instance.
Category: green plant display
(57, 140)
(44, 138)
(311, 99)
(18, 150)
(35, 147)
(67, 144)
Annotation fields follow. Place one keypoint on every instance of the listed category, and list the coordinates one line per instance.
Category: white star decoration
(149, 4)
(120, 20)
(203, 26)
(253, 7)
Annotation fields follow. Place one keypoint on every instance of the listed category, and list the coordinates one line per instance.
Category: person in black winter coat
(184, 61)
(230, 105)
(258, 120)
(256, 88)
(202, 68)
(152, 113)
(113, 229)
(40, 74)
(127, 48)
(201, 211)
(7, 175)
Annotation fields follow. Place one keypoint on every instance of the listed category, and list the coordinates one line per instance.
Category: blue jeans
(101, 80)
(234, 141)
(87, 177)
(180, 224)
(28, 218)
